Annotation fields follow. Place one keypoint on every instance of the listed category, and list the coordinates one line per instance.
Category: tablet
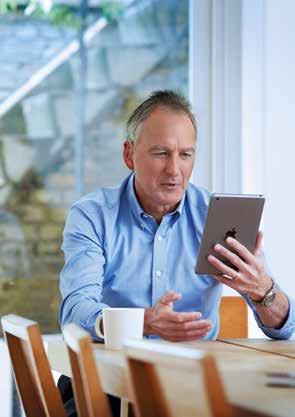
(236, 215)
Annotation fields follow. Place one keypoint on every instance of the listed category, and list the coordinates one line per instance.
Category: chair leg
(131, 412)
(124, 408)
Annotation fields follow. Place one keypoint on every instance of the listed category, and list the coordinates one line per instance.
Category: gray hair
(166, 98)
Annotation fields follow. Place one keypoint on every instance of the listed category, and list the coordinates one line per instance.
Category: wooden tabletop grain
(244, 365)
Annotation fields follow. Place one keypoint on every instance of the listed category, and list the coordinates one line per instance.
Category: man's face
(162, 158)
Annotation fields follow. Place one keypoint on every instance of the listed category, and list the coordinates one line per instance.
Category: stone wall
(147, 49)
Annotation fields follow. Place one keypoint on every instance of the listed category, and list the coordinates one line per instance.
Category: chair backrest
(34, 380)
(160, 373)
(233, 318)
(90, 399)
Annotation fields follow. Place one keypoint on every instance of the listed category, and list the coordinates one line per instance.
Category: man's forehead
(157, 141)
(164, 124)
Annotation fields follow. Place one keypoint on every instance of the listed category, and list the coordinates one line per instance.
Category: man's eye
(186, 155)
(162, 153)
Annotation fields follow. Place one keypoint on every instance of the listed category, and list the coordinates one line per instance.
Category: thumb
(170, 297)
(258, 243)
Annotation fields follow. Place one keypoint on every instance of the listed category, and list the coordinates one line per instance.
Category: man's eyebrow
(158, 147)
(164, 148)
(188, 149)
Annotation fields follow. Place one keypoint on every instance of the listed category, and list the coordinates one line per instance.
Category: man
(136, 245)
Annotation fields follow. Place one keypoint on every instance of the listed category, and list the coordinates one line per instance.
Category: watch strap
(268, 298)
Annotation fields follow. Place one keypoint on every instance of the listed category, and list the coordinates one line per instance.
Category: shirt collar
(134, 204)
(137, 209)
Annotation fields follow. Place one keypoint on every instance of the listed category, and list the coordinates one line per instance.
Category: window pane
(142, 47)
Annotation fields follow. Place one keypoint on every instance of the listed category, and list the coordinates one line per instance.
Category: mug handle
(97, 327)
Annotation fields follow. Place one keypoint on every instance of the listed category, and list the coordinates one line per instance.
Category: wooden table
(243, 370)
(279, 347)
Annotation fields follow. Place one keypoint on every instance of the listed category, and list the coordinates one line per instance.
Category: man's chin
(171, 198)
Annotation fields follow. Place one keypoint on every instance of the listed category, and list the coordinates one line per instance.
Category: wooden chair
(154, 396)
(34, 380)
(90, 399)
(233, 318)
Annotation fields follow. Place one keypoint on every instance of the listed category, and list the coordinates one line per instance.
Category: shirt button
(159, 238)
(158, 273)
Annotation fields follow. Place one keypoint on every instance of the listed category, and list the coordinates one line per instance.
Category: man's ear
(128, 154)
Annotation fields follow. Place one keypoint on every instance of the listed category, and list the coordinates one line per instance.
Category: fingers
(259, 238)
(232, 257)
(186, 338)
(175, 326)
(242, 258)
(184, 326)
(240, 249)
(181, 326)
(223, 268)
(250, 267)
(174, 317)
(176, 334)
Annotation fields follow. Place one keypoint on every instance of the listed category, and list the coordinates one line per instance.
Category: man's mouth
(170, 185)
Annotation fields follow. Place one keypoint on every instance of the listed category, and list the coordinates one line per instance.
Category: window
(135, 47)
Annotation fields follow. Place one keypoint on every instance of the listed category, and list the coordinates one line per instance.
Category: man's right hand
(162, 321)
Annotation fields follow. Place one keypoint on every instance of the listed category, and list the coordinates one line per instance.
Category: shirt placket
(159, 269)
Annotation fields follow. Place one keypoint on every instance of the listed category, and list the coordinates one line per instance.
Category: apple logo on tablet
(231, 233)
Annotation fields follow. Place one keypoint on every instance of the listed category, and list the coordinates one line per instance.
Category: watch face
(269, 299)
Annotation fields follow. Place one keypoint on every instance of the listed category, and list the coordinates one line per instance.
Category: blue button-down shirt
(117, 255)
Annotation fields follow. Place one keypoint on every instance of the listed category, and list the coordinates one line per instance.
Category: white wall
(243, 92)
(246, 123)
(215, 92)
(280, 139)
(268, 132)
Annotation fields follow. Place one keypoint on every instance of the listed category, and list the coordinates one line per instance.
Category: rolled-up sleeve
(81, 278)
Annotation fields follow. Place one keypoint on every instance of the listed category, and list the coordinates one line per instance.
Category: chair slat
(18, 326)
(34, 380)
(90, 399)
(146, 359)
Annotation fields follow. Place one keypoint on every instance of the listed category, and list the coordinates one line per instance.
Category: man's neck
(157, 212)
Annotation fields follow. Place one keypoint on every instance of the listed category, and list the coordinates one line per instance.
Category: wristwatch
(269, 297)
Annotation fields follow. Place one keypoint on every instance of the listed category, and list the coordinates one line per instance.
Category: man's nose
(172, 166)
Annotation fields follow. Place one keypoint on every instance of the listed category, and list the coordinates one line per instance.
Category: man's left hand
(250, 276)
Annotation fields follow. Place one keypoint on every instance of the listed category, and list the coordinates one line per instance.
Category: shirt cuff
(284, 332)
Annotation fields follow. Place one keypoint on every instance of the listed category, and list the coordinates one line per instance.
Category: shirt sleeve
(286, 331)
(82, 276)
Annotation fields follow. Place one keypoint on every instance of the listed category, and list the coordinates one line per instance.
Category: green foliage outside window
(60, 15)
(56, 15)
(8, 6)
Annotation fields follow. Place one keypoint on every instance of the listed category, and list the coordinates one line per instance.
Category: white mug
(120, 324)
